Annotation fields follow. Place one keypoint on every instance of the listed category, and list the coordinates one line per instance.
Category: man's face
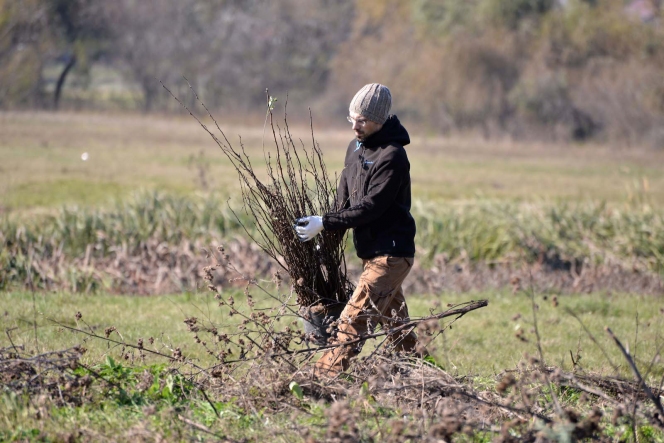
(363, 127)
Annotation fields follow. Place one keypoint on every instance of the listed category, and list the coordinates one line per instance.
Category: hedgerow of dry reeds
(151, 244)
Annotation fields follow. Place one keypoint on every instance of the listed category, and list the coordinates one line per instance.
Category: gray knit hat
(373, 101)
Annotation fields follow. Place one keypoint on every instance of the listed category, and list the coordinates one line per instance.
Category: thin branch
(616, 370)
(656, 401)
(128, 345)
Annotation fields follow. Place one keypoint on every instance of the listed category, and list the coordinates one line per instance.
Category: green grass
(84, 192)
(130, 413)
(482, 343)
(134, 317)
(479, 346)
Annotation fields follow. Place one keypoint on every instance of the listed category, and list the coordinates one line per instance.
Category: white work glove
(308, 227)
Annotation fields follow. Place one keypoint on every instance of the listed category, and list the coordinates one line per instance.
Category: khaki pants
(378, 299)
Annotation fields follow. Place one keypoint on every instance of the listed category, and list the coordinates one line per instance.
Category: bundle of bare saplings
(297, 184)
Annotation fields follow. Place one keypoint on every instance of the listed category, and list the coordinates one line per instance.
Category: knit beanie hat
(373, 101)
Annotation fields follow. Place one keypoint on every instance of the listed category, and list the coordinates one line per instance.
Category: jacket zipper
(359, 177)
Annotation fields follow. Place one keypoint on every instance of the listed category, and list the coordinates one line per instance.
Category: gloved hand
(308, 227)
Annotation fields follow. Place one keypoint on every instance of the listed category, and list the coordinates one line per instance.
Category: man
(373, 198)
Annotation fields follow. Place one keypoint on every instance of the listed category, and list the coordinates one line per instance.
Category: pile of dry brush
(530, 403)
(159, 267)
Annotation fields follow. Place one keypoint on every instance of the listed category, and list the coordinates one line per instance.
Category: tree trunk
(61, 81)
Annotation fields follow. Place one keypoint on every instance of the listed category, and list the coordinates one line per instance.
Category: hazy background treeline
(549, 69)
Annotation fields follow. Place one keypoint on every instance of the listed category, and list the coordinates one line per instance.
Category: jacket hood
(392, 132)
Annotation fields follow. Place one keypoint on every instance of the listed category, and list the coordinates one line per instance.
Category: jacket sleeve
(383, 187)
(343, 196)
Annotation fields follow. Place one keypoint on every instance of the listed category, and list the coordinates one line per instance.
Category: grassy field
(478, 348)
(42, 167)
(474, 201)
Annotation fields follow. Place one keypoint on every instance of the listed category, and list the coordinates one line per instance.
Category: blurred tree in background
(34, 33)
(568, 70)
(229, 50)
(562, 69)
(23, 48)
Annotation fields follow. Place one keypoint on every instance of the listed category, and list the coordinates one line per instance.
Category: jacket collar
(392, 132)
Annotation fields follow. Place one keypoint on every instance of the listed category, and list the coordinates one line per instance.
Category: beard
(362, 136)
(364, 132)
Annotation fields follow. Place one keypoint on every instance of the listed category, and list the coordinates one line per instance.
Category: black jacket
(373, 196)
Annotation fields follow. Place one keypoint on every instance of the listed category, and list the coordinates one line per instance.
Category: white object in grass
(84, 156)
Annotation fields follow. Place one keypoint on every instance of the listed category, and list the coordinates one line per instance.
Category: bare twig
(615, 368)
(459, 312)
(128, 345)
(656, 401)
(296, 186)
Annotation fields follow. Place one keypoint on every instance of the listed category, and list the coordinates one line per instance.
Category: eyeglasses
(352, 121)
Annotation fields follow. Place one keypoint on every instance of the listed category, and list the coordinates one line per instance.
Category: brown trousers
(378, 299)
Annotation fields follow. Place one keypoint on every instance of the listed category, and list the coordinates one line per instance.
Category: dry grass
(156, 243)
